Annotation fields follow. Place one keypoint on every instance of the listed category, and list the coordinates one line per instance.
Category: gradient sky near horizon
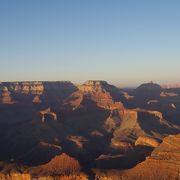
(125, 42)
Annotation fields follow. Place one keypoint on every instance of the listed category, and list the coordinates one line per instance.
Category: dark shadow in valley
(124, 161)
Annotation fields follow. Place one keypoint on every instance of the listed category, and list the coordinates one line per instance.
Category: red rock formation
(169, 86)
(168, 94)
(147, 141)
(78, 140)
(96, 91)
(45, 112)
(92, 86)
(123, 147)
(163, 163)
(141, 123)
(34, 87)
(59, 165)
(36, 99)
(127, 96)
(51, 92)
(5, 97)
(74, 101)
(152, 101)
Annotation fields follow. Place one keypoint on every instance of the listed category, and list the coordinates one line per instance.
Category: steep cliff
(40, 92)
(33, 87)
(100, 92)
(140, 122)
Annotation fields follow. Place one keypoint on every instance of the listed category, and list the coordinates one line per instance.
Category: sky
(125, 42)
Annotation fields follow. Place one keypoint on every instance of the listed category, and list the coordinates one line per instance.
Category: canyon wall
(35, 91)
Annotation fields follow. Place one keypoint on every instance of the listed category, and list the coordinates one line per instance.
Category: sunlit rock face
(169, 149)
(162, 163)
(169, 86)
(37, 87)
(36, 99)
(137, 123)
(47, 114)
(40, 92)
(146, 141)
(5, 95)
(59, 165)
(168, 94)
(93, 91)
(102, 86)
(121, 146)
(101, 93)
(26, 87)
(90, 86)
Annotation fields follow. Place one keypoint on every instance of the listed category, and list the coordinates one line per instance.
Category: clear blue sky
(125, 42)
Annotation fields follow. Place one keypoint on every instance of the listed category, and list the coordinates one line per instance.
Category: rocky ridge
(95, 123)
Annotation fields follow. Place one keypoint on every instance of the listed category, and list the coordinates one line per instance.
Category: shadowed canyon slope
(93, 126)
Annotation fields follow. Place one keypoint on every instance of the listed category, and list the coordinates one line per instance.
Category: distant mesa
(148, 91)
(28, 92)
(27, 87)
(170, 86)
(168, 94)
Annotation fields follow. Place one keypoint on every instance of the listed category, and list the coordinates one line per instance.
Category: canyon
(96, 129)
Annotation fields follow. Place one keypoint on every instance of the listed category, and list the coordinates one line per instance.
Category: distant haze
(123, 42)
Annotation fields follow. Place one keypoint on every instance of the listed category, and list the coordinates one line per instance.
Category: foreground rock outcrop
(59, 165)
(163, 163)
